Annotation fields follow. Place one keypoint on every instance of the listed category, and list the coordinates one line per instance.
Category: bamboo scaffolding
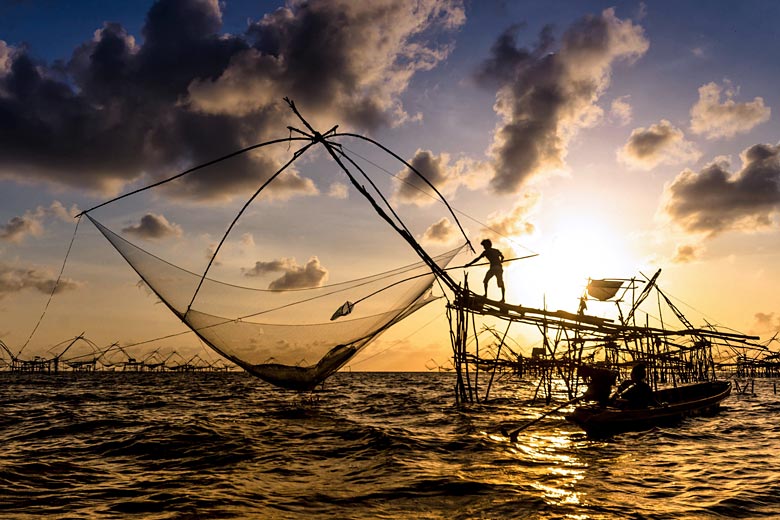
(569, 340)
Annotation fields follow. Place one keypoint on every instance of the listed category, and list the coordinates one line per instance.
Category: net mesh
(286, 337)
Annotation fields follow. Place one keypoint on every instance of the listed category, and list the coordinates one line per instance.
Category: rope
(194, 168)
(54, 289)
(297, 154)
(414, 170)
(425, 193)
(394, 344)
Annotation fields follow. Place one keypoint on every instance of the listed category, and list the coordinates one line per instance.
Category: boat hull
(683, 401)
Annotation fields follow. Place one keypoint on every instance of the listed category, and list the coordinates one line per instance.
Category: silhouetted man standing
(495, 257)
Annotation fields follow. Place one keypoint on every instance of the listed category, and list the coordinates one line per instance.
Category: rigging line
(403, 161)
(400, 227)
(376, 189)
(195, 168)
(53, 289)
(462, 213)
(158, 339)
(295, 156)
(364, 280)
(396, 342)
(428, 274)
(703, 314)
(306, 300)
(397, 226)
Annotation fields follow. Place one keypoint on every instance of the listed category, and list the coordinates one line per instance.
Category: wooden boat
(683, 401)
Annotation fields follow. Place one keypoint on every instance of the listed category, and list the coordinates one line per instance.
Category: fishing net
(293, 338)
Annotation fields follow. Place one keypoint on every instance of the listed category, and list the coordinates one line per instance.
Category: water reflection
(560, 468)
(375, 446)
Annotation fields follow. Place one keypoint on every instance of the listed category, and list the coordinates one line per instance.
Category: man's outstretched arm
(477, 259)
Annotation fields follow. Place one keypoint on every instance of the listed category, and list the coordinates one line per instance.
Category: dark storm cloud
(152, 227)
(15, 279)
(120, 109)
(714, 200)
(545, 97)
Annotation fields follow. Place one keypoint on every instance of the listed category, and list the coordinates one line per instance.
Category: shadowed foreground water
(153, 446)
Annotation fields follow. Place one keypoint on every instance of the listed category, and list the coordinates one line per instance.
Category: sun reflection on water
(560, 470)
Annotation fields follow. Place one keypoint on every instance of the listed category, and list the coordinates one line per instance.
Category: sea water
(369, 445)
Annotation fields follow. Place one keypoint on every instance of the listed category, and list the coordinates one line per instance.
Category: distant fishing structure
(66, 356)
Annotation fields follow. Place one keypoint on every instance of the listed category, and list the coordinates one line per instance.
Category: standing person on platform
(495, 257)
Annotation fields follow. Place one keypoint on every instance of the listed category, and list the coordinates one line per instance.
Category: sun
(579, 248)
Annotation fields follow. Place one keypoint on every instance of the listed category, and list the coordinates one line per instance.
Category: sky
(608, 139)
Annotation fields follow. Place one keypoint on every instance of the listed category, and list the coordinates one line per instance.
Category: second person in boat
(635, 393)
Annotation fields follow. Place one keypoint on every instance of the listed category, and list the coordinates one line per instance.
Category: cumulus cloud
(262, 268)
(660, 143)
(620, 110)
(362, 55)
(545, 96)
(293, 276)
(686, 253)
(18, 228)
(338, 190)
(441, 232)
(714, 119)
(210, 250)
(443, 173)
(699, 52)
(411, 189)
(515, 222)
(153, 227)
(766, 323)
(248, 240)
(715, 200)
(184, 92)
(5, 58)
(299, 277)
(32, 222)
(15, 279)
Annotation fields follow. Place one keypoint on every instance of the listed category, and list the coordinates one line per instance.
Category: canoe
(680, 402)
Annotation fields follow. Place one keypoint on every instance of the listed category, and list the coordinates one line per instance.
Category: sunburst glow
(579, 249)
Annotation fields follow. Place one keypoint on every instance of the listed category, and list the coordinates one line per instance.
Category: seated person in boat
(599, 381)
(635, 393)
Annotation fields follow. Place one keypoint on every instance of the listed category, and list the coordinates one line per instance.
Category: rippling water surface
(154, 446)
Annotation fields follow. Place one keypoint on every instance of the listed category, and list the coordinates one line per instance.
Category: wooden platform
(481, 305)
(478, 304)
